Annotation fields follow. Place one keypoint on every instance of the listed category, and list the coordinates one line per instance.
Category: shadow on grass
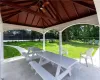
(80, 44)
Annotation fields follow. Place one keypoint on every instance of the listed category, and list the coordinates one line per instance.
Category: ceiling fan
(42, 4)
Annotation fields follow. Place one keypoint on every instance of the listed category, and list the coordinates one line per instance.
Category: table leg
(58, 70)
(70, 72)
(63, 74)
(43, 61)
(40, 61)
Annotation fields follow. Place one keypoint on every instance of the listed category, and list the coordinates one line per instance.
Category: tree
(83, 32)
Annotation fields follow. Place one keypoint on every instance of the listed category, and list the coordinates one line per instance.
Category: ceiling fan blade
(41, 5)
(45, 4)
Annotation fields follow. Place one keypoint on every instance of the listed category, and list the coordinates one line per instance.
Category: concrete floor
(18, 69)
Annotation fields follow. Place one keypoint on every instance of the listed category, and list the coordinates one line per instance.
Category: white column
(1, 49)
(97, 5)
(60, 43)
(43, 41)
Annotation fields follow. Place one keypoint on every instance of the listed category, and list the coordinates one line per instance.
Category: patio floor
(18, 69)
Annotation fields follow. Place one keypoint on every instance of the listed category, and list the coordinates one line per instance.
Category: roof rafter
(49, 12)
(57, 14)
(19, 2)
(64, 9)
(75, 9)
(6, 18)
(26, 9)
(84, 4)
(38, 21)
(17, 17)
(26, 18)
(13, 14)
(34, 17)
(52, 11)
(7, 13)
(9, 9)
(45, 22)
(50, 21)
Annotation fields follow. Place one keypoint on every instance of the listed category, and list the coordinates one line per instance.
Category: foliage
(83, 32)
(22, 35)
(52, 35)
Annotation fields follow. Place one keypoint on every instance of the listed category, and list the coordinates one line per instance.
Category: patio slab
(18, 69)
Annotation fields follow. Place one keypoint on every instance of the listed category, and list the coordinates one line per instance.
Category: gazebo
(45, 15)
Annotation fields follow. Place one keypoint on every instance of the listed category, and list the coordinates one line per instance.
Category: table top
(58, 59)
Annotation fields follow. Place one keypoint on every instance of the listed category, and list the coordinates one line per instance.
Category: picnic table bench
(41, 71)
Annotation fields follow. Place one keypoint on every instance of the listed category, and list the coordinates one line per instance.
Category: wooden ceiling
(28, 12)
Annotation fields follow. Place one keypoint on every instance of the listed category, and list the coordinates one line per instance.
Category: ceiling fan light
(41, 8)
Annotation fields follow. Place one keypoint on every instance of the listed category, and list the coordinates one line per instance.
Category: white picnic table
(60, 61)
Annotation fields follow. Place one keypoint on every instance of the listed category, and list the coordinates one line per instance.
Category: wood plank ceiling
(29, 13)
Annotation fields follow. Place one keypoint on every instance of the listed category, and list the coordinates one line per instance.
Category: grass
(10, 52)
(74, 47)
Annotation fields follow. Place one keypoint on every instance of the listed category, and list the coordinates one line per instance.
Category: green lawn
(74, 47)
(10, 52)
